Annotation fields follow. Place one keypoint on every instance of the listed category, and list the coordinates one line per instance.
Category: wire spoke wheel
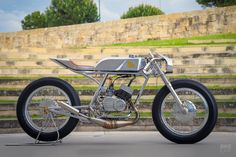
(38, 107)
(38, 111)
(185, 123)
(191, 122)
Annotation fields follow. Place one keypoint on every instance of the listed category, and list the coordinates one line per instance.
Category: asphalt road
(117, 144)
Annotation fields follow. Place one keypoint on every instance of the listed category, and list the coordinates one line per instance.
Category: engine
(111, 104)
(116, 100)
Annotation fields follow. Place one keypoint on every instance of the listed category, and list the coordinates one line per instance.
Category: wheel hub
(45, 106)
(187, 117)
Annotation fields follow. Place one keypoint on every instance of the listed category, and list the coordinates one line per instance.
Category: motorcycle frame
(151, 68)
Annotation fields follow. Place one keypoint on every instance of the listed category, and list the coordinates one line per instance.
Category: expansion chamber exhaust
(108, 124)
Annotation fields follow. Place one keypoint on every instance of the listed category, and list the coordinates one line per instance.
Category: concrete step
(40, 63)
(184, 70)
(101, 52)
(187, 60)
(143, 98)
(47, 63)
(210, 80)
(81, 91)
(99, 56)
(6, 103)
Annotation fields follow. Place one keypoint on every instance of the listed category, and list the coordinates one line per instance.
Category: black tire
(185, 139)
(26, 126)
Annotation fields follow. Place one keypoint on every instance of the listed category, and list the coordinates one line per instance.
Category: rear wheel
(181, 127)
(35, 102)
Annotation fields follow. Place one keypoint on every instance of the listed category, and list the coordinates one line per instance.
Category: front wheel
(185, 127)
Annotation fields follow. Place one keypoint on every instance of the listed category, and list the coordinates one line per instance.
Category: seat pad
(71, 65)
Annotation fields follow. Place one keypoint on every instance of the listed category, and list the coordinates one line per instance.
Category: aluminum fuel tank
(118, 64)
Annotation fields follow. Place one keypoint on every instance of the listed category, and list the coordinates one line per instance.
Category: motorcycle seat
(69, 64)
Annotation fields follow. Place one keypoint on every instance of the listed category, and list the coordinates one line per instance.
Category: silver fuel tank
(118, 64)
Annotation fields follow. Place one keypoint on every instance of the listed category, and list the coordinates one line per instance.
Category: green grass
(142, 115)
(3, 102)
(9, 102)
(16, 78)
(221, 114)
(81, 88)
(180, 41)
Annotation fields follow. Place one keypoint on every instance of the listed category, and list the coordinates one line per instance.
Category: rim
(185, 124)
(36, 112)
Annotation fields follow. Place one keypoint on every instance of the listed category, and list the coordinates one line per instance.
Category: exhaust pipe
(71, 109)
(108, 124)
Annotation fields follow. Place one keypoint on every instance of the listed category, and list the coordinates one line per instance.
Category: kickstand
(58, 140)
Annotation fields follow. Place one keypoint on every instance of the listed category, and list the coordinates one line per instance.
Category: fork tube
(98, 90)
(168, 84)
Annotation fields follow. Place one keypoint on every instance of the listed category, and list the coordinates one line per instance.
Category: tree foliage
(69, 12)
(63, 12)
(34, 20)
(142, 10)
(216, 3)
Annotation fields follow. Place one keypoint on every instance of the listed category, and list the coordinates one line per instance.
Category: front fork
(170, 87)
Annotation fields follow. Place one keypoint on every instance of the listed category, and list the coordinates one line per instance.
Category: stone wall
(178, 25)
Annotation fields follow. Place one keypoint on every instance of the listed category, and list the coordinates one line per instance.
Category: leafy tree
(216, 3)
(142, 10)
(68, 12)
(62, 12)
(34, 20)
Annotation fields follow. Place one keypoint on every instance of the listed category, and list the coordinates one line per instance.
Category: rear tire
(186, 138)
(21, 109)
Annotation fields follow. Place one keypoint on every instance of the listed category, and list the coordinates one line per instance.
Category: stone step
(98, 56)
(21, 82)
(143, 98)
(101, 52)
(81, 91)
(223, 61)
(40, 63)
(191, 69)
(224, 91)
(35, 65)
(173, 49)
(187, 60)
(8, 107)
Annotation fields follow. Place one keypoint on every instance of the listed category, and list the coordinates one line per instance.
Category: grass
(219, 101)
(180, 41)
(91, 87)
(221, 114)
(142, 115)
(15, 78)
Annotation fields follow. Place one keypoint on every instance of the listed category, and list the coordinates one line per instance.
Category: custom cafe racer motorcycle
(183, 111)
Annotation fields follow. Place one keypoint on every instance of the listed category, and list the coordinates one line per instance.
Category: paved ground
(117, 144)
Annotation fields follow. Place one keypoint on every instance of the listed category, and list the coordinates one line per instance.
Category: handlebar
(148, 69)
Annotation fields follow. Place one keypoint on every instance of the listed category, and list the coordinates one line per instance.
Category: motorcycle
(184, 111)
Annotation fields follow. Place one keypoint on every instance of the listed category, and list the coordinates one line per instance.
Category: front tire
(191, 127)
(35, 120)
